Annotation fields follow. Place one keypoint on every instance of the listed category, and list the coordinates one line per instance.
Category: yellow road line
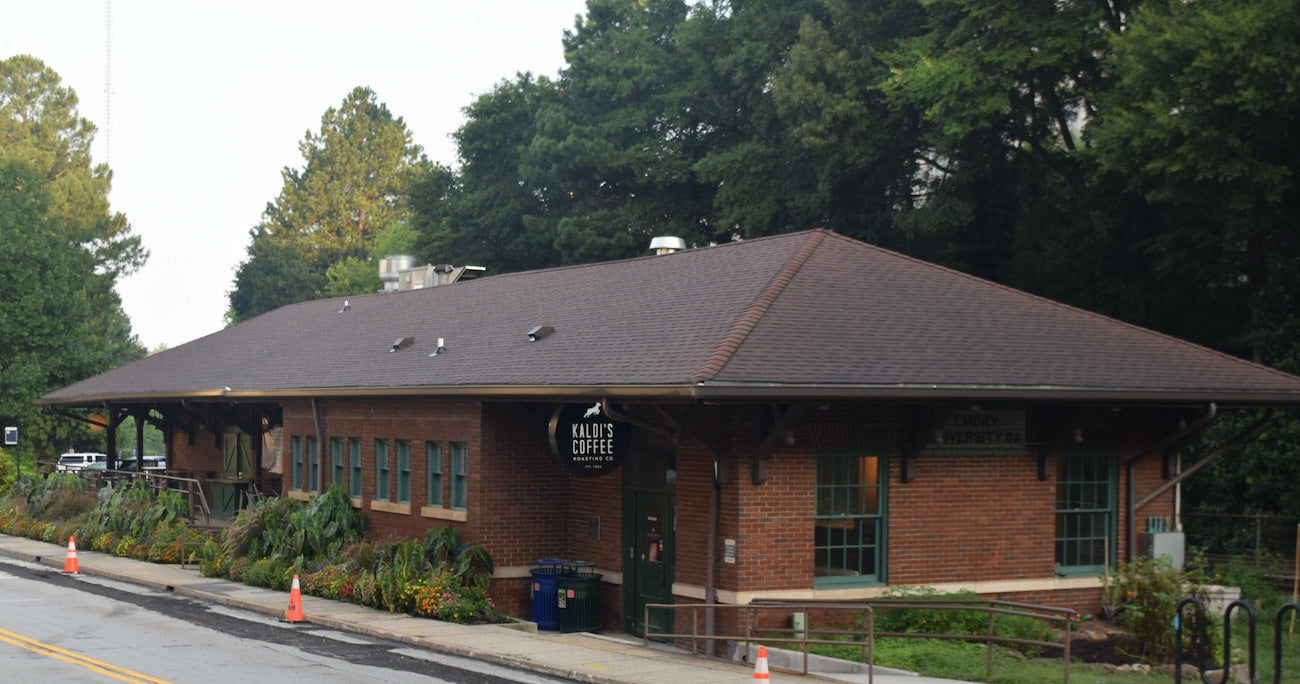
(87, 662)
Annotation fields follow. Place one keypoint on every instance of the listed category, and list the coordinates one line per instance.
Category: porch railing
(189, 488)
(835, 614)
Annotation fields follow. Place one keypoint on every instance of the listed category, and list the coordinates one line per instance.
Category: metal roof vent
(402, 343)
(667, 245)
(540, 332)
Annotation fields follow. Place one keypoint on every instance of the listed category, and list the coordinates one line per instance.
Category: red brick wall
(962, 518)
(970, 517)
(203, 457)
(417, 421)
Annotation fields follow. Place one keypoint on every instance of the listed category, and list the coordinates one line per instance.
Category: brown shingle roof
(803, 314)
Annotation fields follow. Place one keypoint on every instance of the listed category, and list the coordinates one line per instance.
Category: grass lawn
(966, 661)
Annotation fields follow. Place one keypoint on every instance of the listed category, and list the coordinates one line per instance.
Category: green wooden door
(650, 554)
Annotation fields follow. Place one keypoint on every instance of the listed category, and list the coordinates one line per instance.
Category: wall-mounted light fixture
(441, 348)
(540, 332)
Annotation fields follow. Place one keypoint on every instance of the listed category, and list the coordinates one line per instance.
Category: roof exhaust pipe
(667, 245)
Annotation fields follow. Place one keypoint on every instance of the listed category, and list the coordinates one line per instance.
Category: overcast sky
(209, 101)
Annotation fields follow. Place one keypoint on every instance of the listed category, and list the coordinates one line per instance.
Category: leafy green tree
(40, 126)
(863, 149)
(353, 185)
(51, 333)
(64, 249)
(486, 213)
(276, 273)
(354, 182)
(612, 160)
(1202, 125)
(1000, 89)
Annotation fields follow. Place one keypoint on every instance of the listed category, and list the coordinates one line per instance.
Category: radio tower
(108, 82)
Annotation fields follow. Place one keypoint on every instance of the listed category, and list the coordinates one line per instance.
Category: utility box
(1156, 544)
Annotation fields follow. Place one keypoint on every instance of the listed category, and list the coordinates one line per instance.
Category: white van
(76, 461)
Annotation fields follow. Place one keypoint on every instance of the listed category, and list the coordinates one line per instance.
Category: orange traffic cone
(760, 665)
(294, 614)
(70, 565)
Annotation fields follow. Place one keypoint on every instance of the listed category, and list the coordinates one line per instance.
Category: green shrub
(214, 562)
(1254, 584)
(447, 598)
(974, 622)
(264, 572)
(469, 562)
(1142, 596)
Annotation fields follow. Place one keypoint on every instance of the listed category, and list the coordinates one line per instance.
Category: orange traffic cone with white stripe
(70, 565)
(294, 614)
(760, 665)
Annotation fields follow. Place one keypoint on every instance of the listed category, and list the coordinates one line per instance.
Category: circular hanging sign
(586, 439)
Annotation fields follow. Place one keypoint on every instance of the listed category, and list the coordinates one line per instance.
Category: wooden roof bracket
(923, 430)
(779, 434)
(1177, 438)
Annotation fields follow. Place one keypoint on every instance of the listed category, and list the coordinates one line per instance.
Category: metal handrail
(189, 487)
(866, 635)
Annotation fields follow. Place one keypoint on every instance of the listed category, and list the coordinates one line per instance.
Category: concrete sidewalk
(596, 658)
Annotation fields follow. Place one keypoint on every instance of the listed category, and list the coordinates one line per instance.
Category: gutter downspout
(320, 444)
(1211, 413)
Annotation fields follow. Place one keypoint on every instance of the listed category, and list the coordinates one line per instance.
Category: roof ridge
(1062, 305)
(745, 323)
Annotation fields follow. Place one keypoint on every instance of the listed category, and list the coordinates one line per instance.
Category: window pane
(354, 460)
(313, 483)
(381, 469)
(1085, 510)
(403, 448)
(848, 518)
(459, 495)
(336, 460)
(433, 467)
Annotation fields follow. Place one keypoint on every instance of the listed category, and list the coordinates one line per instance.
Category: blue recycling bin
(546, 587)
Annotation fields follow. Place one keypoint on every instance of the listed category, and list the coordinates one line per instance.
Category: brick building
(801, 416)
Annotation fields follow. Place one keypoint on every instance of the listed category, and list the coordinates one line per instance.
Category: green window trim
(381, 470)
(459, 477)
(336, 460)
(850, 519)
(354, 462)
(296, 456)
(1086, 513)
(313, 463)
(433, 470)
(403, 448)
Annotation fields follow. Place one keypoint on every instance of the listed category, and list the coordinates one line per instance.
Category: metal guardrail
(867, 634)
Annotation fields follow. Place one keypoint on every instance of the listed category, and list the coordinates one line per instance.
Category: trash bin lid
(551, 561)
(579, 565)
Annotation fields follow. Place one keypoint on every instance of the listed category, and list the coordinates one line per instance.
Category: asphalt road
(59, 628)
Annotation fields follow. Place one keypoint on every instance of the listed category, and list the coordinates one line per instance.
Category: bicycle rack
(1200, 644)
